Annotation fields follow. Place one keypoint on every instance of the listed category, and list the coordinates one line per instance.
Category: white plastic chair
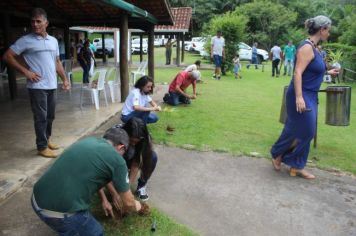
(3, 75)
(68, 66)
(141, 71)
(114, 84)
(95, 92)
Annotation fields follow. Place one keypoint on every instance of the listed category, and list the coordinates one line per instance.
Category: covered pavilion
(15, 19)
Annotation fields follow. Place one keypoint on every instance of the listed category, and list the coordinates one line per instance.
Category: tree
(267, 21)
(232, 27)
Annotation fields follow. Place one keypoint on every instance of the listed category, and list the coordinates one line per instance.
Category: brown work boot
(47, 153)
(52, 146)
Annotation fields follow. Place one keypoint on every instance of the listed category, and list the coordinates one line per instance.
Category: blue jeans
(43, 105)
(217, 60)
(146, 116)
(175, 98)
(288, 66)
(82, 223)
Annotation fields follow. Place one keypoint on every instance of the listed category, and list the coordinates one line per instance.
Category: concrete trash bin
(338, 101)
(283, 114)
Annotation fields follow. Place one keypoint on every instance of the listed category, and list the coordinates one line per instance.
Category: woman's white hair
(316, 23)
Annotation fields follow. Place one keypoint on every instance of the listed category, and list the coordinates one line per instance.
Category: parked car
(135, 45)
(195, 45)
(109, 47)
(245, 53)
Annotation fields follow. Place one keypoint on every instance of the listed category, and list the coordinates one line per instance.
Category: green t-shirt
(289, 52)
(81, 170)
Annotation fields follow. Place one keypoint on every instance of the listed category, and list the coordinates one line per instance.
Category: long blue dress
(294, 141)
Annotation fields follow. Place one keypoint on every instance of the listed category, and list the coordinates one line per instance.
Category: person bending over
(176, 93)
(61, 197)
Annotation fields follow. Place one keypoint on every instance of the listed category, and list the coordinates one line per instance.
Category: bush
(232, 27)
(349, 54)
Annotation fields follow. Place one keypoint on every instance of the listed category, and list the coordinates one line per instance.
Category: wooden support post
(66, 42)
(11, 73)
(150, 51)
(183, 48)
(141, 50)
(124, 70)
(103, 47)
(178, 50)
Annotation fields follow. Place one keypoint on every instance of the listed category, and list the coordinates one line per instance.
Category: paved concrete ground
(216, 194)
(18, 155)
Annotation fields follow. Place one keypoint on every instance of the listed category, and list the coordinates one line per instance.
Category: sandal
(276, 164)
(301, 173)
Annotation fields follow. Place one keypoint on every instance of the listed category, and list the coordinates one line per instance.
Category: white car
(135, 45)
(196, 43)
(109, 47)
(245, 53)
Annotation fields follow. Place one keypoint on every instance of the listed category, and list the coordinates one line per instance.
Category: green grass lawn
(241, 117)
(234, 116)
(135, 225)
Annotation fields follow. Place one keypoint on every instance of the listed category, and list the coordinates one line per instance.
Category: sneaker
(218, 78)
(142, 194)
(214, 77)
(47, 153)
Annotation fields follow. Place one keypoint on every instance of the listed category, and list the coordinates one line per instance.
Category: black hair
(38, 12)
(140, 83)
(136, 128)
(197, 62)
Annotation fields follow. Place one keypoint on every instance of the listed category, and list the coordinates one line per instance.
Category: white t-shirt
(276, 52)
(218, 45)
(135, 98)
(191, 68)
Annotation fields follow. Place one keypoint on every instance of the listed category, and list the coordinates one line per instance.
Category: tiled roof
(181, 21)
(94, 29)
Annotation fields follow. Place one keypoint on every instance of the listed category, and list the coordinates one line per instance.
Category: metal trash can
(338, 101)
(283, 114)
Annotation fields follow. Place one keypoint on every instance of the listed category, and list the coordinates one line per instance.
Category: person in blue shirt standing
(289, 54)
(292, 147)
(41, 55)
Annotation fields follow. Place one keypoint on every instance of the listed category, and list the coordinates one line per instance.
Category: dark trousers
(168, 56)
(43, 106)
(275, 67)
(86, 69)
(176, 98)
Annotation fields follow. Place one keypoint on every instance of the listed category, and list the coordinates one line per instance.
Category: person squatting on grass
(61, 197)
(138, 100)
(176, 92)
(40, 65)
(292, 147)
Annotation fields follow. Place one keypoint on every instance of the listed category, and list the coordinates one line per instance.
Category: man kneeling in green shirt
(61, 197)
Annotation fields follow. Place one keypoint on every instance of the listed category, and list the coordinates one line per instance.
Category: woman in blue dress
(292, 147)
